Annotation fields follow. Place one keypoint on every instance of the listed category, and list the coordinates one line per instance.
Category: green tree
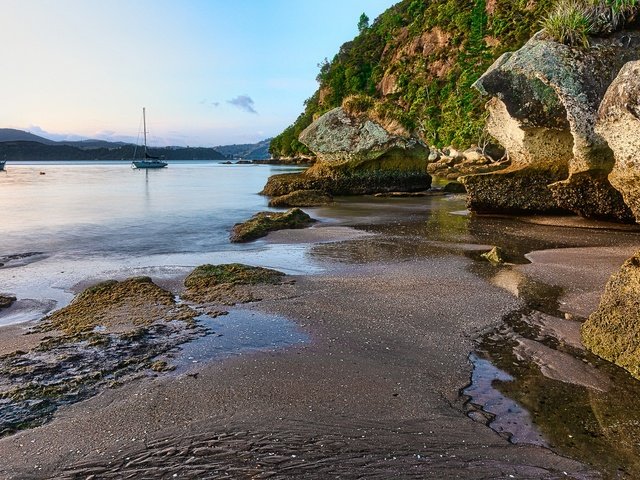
(363, 23)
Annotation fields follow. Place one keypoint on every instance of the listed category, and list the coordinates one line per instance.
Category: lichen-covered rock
(342, 140)
(612, 331)
(619, 124)
(546, 99)
(302, 198)
(264, 222)
(356, 155)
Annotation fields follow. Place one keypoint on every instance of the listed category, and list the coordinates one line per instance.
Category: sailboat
(148, 161)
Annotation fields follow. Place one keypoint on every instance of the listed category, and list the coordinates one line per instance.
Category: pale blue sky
(87, 67)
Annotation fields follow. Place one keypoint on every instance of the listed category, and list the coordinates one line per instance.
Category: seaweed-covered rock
(611, 332)
(302, 198)
(218, 283)
(619, 124)
(543, 111)
(117, 305)
(264, 222)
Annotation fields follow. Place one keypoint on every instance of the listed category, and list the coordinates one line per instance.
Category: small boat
(148, 161)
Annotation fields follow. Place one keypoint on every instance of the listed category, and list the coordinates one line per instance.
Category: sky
(209, 72)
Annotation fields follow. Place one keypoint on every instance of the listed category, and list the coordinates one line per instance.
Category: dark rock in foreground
(264, 222)
(611, 332)
(302, 198)
(6, 300)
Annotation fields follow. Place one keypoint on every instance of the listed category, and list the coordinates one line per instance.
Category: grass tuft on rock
(264, 222)
(572, 22)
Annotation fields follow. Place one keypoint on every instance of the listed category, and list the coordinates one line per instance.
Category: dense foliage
(418, 60)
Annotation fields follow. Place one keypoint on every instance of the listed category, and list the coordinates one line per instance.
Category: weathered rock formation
(356, 155)
(543, 111)
(619, 124)
(611, 332)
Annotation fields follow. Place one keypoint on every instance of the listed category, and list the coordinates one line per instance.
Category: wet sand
(375, 393)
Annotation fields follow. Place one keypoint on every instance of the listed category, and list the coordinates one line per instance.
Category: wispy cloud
(243, 102)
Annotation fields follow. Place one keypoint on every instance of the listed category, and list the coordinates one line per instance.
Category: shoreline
(393, 318)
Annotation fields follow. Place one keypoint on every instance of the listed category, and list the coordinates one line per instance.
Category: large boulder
(611, 332)
(619, 124)
(355, 155)
(543, 111)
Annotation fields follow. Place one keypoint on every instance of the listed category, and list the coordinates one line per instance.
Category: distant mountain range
(19, 145)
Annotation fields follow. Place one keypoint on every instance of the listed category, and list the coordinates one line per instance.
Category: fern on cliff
(418, 61)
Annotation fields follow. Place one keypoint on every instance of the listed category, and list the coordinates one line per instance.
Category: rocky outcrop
(619, 124)
(357, 155)
(543, 111)
(264, 222)
(611, 332)
(353, 142)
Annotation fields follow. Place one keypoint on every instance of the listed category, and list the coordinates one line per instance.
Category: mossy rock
(264, 222)
(612, 331)
(232, 274)
(217, 283)
(133, 302)
(302, 198)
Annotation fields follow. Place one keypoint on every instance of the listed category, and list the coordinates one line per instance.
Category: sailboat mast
(144, 128)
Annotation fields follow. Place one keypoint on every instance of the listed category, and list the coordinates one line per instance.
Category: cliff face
(417, 61)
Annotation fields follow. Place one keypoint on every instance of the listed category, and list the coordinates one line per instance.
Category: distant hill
(13, 135)
(37, 151)
(247, 151)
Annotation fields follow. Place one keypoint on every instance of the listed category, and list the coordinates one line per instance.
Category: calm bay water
(104, 220)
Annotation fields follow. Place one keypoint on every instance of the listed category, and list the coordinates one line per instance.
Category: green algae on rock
(117, 305)
(218, 283)
(264, 222)
(302, 198)
(611, 332)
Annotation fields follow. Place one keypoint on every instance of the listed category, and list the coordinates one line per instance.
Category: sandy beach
(374, 391)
